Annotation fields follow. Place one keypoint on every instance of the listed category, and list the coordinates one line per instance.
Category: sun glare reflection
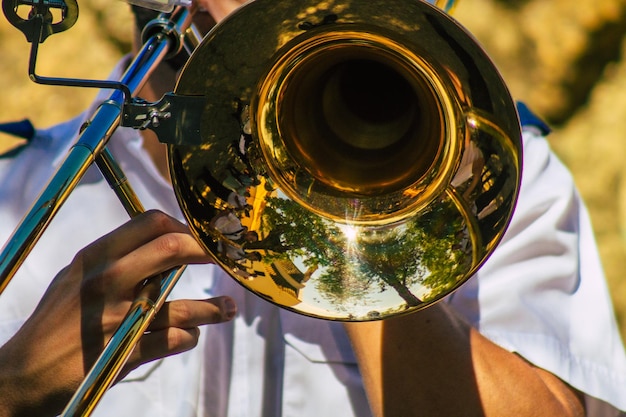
(349, 232)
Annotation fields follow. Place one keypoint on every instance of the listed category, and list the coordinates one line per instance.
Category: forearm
(432, 363)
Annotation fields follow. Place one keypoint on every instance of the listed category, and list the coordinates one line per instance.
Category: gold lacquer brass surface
(356, 159)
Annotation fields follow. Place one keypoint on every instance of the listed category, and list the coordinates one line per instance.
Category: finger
(135, 233)
(162, 343)
(155, 257)
(168, 334)
(193, 313)
(151, 243)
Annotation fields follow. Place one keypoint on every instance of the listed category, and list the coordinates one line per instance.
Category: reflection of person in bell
(236, 252)
(234, 249)
(237, 201)
(229, 225)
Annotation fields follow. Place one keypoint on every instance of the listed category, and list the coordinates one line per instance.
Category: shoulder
(26, 169)
(52, 140)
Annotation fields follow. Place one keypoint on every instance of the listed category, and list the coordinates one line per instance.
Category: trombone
(368, 150)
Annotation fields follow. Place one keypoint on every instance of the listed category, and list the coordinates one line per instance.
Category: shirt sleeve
(542, 294)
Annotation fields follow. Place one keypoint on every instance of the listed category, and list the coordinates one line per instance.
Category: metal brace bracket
(175, 118)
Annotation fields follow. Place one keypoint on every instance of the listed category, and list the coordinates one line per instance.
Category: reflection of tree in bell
(391, 258)
(424, 257)
(444, 246)
(305, 235)
(417, 259)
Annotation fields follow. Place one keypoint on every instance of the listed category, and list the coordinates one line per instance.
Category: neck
(157, 152)
(161, 81)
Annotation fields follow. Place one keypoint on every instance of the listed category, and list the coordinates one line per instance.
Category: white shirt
(542, 294)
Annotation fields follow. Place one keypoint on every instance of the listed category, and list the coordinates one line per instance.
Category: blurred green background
(565, 59)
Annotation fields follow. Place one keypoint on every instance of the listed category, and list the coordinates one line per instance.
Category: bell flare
(358, 160)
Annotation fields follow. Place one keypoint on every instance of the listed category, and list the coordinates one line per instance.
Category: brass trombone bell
(355, 160)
